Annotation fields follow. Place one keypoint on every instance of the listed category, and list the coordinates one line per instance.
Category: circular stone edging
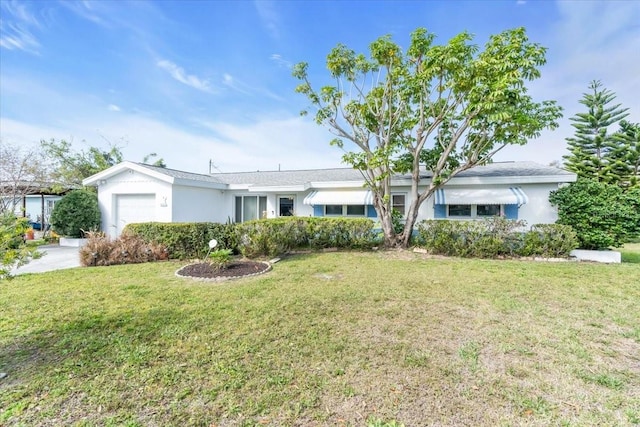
(223, 278)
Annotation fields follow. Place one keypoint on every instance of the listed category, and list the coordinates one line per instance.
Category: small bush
(76, 213)
(100, 250)
(220, 259)
(549, 241)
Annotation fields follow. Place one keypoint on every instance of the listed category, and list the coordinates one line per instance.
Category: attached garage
(132, 208)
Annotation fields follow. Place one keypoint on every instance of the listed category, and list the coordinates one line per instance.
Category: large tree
(22, 172)
(445, 108)
(71, 167)
(623, 165)
(592, 143)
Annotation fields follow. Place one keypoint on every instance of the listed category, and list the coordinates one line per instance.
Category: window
(398, 202)
(344, 210)
(250, 207)
(355, 210)
(285, 206)
(459, 210)
(488, 210)
(333, 210)
(472, 211)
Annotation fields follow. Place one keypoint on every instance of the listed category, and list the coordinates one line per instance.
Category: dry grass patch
(326, 339)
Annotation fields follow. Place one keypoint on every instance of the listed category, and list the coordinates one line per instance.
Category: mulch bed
(233, 270)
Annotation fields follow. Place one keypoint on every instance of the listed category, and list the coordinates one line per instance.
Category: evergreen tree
(623, 166)
(592, 142)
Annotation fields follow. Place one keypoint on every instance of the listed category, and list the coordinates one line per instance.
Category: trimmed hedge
(269, 237)
(263, 237)
(186, 240)
(495, 237)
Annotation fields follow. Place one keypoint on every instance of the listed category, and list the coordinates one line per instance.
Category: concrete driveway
(55, 258)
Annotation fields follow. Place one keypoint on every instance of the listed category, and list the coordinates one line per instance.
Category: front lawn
(630, 252)
(325, 339)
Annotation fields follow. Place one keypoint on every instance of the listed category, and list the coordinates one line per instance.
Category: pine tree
(591, 143)
(623, 166)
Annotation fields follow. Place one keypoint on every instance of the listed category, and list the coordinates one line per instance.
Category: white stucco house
(134, 192)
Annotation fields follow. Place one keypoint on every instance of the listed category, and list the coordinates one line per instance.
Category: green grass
(325, 339)
(630, 253)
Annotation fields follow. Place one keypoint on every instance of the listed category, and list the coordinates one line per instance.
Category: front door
(286, 205)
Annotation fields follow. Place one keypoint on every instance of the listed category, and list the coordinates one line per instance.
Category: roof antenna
(213, 166)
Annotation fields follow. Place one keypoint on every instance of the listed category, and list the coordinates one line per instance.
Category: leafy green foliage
(76, 213)
(186, 240)
(549, 241)
(269, 237)
(445, 107)
(220, 259)
(495, 237)
(624, 157)
(71, 167)
(13, 250)
(603, 215)
(594, 152)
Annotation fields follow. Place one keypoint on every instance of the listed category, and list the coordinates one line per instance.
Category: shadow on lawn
(87, 344)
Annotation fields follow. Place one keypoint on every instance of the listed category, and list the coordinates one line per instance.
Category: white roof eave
(93, 180)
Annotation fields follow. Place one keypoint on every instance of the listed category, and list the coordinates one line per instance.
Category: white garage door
(132, 208)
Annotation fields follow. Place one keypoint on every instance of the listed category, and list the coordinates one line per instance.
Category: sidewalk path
(56, 258)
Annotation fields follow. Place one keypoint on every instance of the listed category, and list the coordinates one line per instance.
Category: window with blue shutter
(511, 211)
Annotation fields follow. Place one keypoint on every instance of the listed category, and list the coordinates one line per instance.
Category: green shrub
(269, 237)
(488, 238)
(495, 237)
(549, 241)
(13, 250)
(602, 215)
(220, 259)
(76, 213)
(186, 240)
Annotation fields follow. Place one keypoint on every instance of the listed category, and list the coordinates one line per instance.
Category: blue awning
(481, 196)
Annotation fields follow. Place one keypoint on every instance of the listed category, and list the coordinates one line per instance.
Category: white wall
(131, 182)
(194, 204)
(538, 210)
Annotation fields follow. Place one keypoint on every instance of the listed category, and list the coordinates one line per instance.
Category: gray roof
(182, 174)
(295, 177)
(301, 177)
(514, 169)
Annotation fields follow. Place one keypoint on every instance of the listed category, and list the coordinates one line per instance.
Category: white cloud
(269, 16)
(592, 41)
(265, 144)
(180, 75)
(229, 81)
(16, 27)
(87, 10)
(278, 59)
(113, 107)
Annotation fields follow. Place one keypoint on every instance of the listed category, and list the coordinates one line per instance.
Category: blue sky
(199, 80)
